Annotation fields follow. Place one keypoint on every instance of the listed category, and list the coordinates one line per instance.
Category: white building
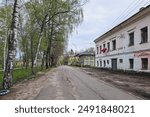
(126, 46)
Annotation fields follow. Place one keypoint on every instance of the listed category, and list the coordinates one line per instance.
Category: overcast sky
(99, 17)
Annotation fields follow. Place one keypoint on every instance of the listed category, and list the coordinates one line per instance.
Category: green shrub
(20, 74)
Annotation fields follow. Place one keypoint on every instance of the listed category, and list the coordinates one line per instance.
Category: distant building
(126, 46)
(73, 60)
(86, 58)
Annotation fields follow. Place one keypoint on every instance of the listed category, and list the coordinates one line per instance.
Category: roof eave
(124, 23)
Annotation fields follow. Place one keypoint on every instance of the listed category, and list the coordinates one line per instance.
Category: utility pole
(12, 45)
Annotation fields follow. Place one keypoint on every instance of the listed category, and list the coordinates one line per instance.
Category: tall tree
(12, 44)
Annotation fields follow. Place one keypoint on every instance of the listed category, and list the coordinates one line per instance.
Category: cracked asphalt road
(69, 83)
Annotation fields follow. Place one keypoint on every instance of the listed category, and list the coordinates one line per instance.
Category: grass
(20, 74)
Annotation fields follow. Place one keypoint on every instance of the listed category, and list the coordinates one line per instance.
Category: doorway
(114, 64)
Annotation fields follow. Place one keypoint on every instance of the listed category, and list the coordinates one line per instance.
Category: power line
(133, 9)
(147, 3)
(127, 12)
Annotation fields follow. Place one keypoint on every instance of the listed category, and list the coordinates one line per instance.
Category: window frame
(131, 63)
(131, 39)
(108, 62)
(142, 65)
(100, 63)
(121, 60)
(104, 63)
(114, 45)
(108, 46)
(104, 45)
(97, 50)
(144, 35)
(100, 48)
(97, 63)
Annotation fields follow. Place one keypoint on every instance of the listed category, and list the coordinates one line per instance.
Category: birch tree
(12, 44)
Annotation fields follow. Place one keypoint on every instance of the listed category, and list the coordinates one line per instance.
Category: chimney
(142, 8)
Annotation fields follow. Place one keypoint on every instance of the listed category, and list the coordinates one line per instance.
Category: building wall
(123, 50)
(87, 60)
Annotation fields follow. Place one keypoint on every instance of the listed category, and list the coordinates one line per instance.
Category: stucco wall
(124, 51)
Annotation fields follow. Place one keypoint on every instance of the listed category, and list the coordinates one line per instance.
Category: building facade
(126, 46)
(86, 59)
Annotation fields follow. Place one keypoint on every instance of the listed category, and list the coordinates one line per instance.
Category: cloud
(99, 16)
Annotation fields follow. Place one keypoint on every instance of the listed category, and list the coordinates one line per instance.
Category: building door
(114, 64)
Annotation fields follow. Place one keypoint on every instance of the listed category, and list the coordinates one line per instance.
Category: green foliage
(46, 24)
(20, 74)
(5, 22)
(53, 21)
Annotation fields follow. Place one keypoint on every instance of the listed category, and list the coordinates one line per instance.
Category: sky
(99, 17)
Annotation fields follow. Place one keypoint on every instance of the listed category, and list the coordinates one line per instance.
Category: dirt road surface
(67, 83)
(74, 84)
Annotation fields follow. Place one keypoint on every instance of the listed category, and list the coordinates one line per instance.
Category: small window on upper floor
(114, 45)
(97, 50)
(100, 49)
(108, 46)
(144, 35)
(103, 45)
(131, 39)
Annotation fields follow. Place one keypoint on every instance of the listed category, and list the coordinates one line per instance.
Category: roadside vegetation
(21, 74)
(38, 31)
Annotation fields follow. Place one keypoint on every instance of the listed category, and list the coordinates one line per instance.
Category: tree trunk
(50, 42)
(12, 43)
(43, 58)
(40, 39)
(32, 54)
(47, 58)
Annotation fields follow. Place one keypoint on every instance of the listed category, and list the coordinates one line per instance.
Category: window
(97, 63)
(107, 61)
(121, 60)
(144, 35)
(101, 63)
(100, 49)
(108, 46)
(131, 39)
(103, 45)
(97, 50)
(144, 63)
(114, 45)
(104, 63)
(131, 62)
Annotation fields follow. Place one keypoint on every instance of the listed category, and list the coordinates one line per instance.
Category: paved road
(68, 83)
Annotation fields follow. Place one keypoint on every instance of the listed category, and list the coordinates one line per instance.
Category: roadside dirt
(26, 89)
(136, 84)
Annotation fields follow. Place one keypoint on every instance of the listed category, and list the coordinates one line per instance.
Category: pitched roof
(86, 53)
